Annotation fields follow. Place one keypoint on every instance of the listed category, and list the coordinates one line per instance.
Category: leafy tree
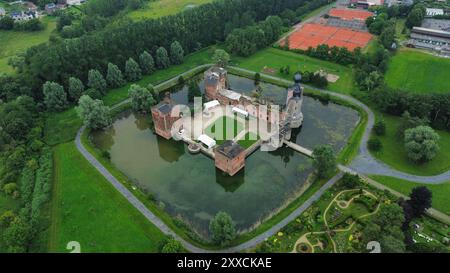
(64, 19)
(193, 91)
(6, 218)
(386, 228)
(221, 57)
(176, 53)
(222, 228)
(380, 127)
(93, 113)
(96, 81)
(54, 96)
(421, 143)
(10, 188)
(76, 88)
(141, 98)
(6, 23)
(415, 17)
(350, 181)
(428, 248)
(162, 58)
(391, 244)
(324, 160)
(172, 246)
(387, 36)
(93, 93)
(408, 122)
(374, 144)
(371, 232)
(389, 215)
(132, 70)
(135, 4)
(146, 62)
(420, 200)
(17, 236)
(114, 77)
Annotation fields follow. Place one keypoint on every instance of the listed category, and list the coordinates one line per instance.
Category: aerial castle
(289, 116)
(230, 156)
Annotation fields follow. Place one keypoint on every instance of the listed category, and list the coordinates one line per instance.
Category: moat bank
(190, 187)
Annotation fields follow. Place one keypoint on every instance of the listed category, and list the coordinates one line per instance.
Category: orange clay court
(313, 35)
(350, 14)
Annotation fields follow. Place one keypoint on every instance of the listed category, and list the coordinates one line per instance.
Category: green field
(160, 8)
(87, 209)
(415, 71)
(441, 192)
(395, 156)
(224, 128)
(248, 140)
(273, 58)
(14, 42)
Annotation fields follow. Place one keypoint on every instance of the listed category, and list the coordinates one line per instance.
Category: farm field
(13, 42)
(441, 192)
(395, 156)
(419, 72)
(160, 8)
(273, 58)
(107, 223)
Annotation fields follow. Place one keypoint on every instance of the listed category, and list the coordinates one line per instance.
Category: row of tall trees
(246, 41)
(433, 107)
(57, 99)
(193, 28)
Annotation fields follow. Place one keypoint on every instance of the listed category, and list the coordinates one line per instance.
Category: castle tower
(215, 80)
(294, 103)
(164, 118)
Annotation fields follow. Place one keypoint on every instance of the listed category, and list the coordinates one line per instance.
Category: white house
(73, 2)
(430, 12)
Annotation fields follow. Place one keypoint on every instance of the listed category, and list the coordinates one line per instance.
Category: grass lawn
(248, 140)
(13, 42)
(441, 192)
(224, 128)
(395, 156)
(87, 209)
(160, 8)
(399, 29)
(62, 127)
(420, 72)
(277, 58)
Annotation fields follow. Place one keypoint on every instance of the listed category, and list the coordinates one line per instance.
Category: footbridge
(298, 148)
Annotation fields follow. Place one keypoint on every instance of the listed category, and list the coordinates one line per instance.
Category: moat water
(191, 188)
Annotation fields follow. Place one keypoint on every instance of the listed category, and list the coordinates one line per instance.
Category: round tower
(294, 106)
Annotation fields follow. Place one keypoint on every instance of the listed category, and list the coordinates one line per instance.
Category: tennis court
(313, 35)
(350, 14)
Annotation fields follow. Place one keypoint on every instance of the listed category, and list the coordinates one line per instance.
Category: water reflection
(190, 187)
(230, 184)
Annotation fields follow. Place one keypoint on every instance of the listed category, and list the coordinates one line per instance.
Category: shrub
(10, 188)
(374, 144)
(380, 127)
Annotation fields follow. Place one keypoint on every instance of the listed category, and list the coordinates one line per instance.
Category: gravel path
(361, 164)
(166, 230)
